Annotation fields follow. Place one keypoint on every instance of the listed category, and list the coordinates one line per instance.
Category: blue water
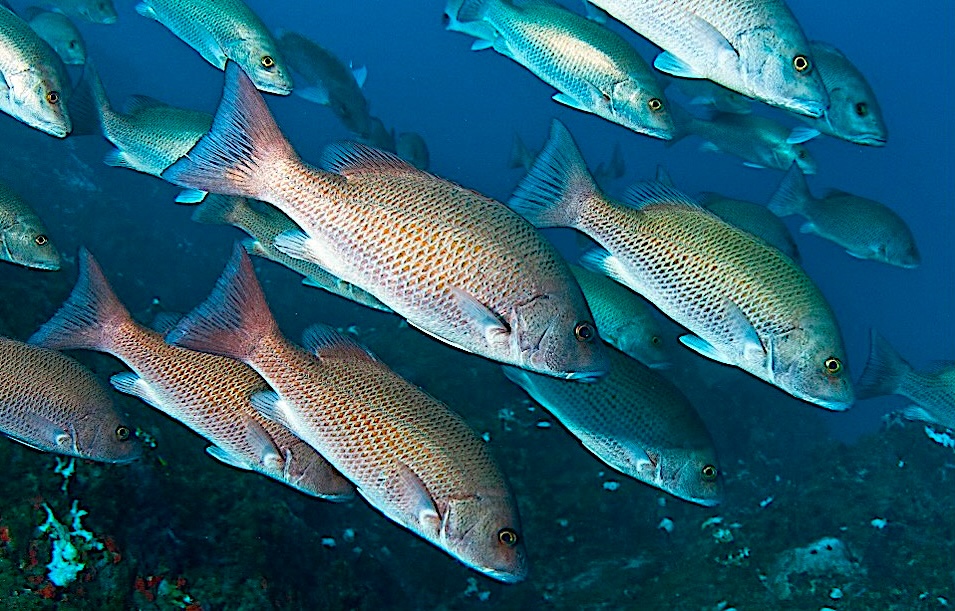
(468, 106)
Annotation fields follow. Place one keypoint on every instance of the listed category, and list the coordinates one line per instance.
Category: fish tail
(884, 372)
(233, 320)
(557, 186)
(473, 10)
(221, 210)
(792, 195)
(683, 123)
(90, 318)
(520, 156)
(84, 104)
(237, 155)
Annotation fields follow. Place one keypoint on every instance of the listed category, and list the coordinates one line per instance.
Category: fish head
(641, 108)
(26, 243)
(786, 154)
(810, 364)
(551, 336)
(856, 116)
(264, 65)
(900, 250)
(101, 435)
(484, 532)
(72, 50)
(39, 100)
(777, 66)
(98, 11)
(691, 474)
(642, 342)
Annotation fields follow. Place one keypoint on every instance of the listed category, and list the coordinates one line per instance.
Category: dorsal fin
(326, 342)
(651, 192)
(352, 159)
(138, 103)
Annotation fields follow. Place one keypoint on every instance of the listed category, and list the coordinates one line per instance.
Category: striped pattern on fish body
(456, 264)
(410, 456)
(637, 422)
(33, 80)
(50, 402)
(209, 394)
(747, 303)
(755, 47)
(264, 223)
(23, 236)
(594, 68)
(220, 30)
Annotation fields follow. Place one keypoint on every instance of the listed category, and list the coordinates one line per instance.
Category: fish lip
(835, 406)
(704, 502)
(519, 575)
(870, 140)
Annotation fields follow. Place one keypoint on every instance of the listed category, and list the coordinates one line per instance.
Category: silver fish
(52, 403)
(755, 219)
(23, 237)
(932, 392)
(755, 47)
(61, 34)
(222, 30)
(707, 93)
(410, 457)
(854, 113)
(33, 79)
(95, 11)
(264, 223)
(626, 321)
(638, 423)
(455, 264)
(209, 394)
(594, 69)
(745, 303)
(865, 228)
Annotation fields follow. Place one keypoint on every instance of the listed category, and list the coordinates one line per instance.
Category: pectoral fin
(494, 329)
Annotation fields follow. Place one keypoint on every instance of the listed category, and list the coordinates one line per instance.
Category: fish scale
(50, 402)
(209, 394)
(410, 456)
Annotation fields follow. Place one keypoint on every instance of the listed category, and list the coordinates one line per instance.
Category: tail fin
(884, 372)
(90, 318)
(234, 157)
(557, 185)
(473, 10)
(95, 94)
(792, 195)
(521, 157)
(683, 123)
(234, 319)
(83, 105)
(221, 210)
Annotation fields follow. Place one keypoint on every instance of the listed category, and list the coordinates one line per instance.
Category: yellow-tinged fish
(23, 237)
(223, 30)
(637, 422)
(209, 394)
(745, 303)
(411, 457)
(457, 265)
(51, 403)
(33, 79)
(264, 223)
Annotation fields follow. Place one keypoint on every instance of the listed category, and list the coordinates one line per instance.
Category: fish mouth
(870, 140)
(504, 576)
(831, 404)
(49, 266)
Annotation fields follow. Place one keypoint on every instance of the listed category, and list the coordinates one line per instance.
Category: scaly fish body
(61, 34)
(864, 227)
(150, 136)
(854, 113)
(52, 403)
(324, 79)
(746, 303)
(594, 68)
(220, 30)
(755, 47)
(264, 223)
(33, 79)
(932, 392)
(94, 11)
(755, 219)
(23, 237)
(625, 319)
(457, 265)
(409, 456)
(209, 394)
(637, 422)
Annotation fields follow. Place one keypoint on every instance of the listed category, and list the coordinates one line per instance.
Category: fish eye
(72, 44)
(862, 109)
(268, 62)
(802, 154)
(709, 473)
(801, 63)
(41, 240)
(52, 97)
(655, 340)
(833, 365)
(507, 536)
(122, 433)
(585, 332)
(655, 104)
